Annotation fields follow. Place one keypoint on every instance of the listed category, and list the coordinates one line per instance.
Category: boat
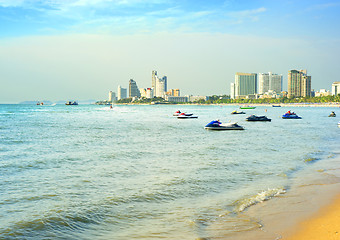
(254, 118)
(332, 114)
(71, 103)
(247, 107)
(186, 116)
(237, 112)
(290, 115)
(218, 126)
(276, 105)
(339, 124)
(177, 113)
(40, 103)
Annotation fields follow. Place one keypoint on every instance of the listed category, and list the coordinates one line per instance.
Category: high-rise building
(121, 93)
(245, 85)
(133, 89)
(269, 82)
(336, 88)
(159, 84)
(232, 90)
(299, 84)
(112, 96)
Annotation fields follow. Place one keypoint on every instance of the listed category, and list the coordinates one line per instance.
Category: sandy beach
(323, 225)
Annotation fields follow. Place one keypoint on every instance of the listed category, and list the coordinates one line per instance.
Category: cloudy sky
(81, 49)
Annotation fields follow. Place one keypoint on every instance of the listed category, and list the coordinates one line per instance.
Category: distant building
(121, 93)
(133, 89)
(269, 82)
(147, 93)
(299, 84)
(159, 84)
(336, 88)
(173, 92)
(176, 99)
(112, 96)
(196, 98)
(245, 85)
(232, 90)
(322, 93)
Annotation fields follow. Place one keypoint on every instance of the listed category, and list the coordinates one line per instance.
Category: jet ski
(253, 118)
(290, 115)
(177, 113)
(217, 125)
(185, 116)
(332, 114)
(237, 112)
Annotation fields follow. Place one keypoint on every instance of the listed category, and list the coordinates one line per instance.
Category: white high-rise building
(112, 96)
(159, 84)
(269, 82)
(232, 90)
(336, 88)
(121, 93)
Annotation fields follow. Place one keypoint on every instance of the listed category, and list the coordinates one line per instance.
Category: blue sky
(213, 39)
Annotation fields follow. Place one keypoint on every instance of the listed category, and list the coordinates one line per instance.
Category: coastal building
(121, 93)
(173, 92)
(299, 84)
(133, 89)
(245, 85)
(322, 93)
(232, 90)
(176, 99)
(112, 96)
(159, 84)
(269, 82)
(336, 88)
(147, 93)
(196, 98)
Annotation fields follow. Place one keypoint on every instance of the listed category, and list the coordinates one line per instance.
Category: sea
(138, 172)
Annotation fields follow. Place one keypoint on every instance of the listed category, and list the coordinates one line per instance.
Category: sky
(82, 49)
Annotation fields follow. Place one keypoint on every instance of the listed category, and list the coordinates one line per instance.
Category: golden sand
(325, 225)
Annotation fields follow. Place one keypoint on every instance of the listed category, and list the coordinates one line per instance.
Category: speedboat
(332, 114)
(290, 115)
(253, 118)
(247, 107)
(185, 116)
(177, 113)
(276, 105)
(71, 103)
(237, 112)
(217, 125)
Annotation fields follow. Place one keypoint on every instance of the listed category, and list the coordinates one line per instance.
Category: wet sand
(310, 206)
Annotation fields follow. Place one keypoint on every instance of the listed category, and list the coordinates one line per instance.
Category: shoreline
(306, 206)
(325, 224)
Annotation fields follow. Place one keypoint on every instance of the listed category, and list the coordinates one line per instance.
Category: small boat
(290, 115)
(218, 126)
(332, 114)
(247, 107)
(254, 118)
(71, 103)
(276, 105)
(178, 113)
(237, 112)
(186, 117)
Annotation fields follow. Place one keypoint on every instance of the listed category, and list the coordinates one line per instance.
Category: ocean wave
(262, 196)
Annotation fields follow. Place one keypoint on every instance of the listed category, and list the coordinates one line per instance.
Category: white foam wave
(242, 204)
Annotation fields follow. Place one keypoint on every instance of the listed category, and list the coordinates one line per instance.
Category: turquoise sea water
(136, 172)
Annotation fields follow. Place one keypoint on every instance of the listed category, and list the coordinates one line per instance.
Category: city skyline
(81, 49)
